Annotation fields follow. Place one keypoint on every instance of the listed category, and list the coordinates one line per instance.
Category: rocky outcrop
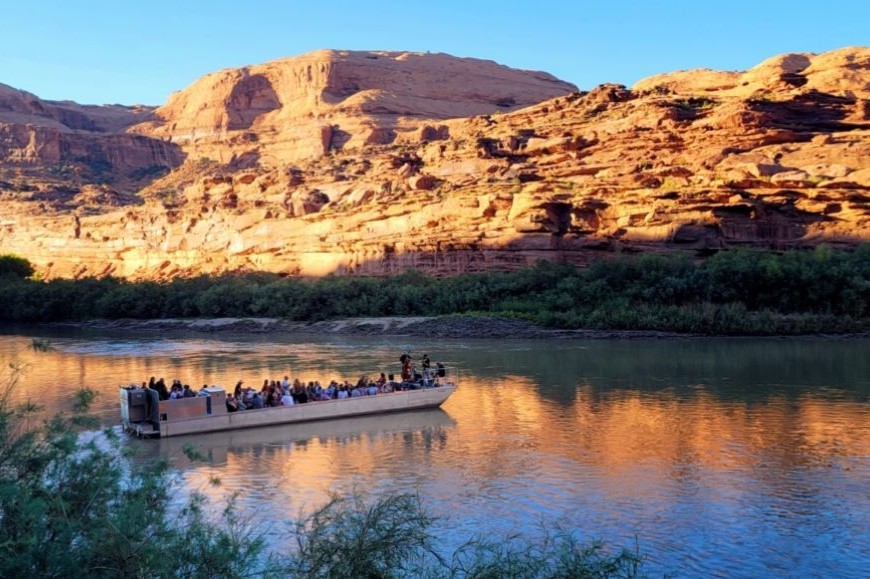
(71, 140)
(374, 163)
(306, 106)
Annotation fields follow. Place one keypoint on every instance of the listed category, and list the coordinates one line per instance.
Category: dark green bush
(12, 265)
(792, 292)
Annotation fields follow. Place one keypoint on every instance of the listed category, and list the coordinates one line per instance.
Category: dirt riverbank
(431, 327)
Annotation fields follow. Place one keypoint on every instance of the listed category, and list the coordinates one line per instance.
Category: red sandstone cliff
(373, 162)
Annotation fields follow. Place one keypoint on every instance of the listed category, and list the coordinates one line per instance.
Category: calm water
(738, 458)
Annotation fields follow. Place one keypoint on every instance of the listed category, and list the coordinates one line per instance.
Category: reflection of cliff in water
(746, 369)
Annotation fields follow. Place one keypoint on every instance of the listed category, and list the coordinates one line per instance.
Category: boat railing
(137, 407)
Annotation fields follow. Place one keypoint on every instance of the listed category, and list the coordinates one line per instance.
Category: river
(716, 457)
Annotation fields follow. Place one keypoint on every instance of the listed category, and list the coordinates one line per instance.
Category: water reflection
(734, 457)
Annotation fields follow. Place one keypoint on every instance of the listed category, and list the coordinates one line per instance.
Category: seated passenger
(257, 401)
(287, 399)
(232, 404)
(300, 395)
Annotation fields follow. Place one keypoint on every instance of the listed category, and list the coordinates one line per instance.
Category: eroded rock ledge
(375, 163)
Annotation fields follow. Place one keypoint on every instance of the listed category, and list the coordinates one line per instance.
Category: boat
(144, 416)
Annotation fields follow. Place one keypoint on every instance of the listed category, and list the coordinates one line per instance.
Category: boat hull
(312, 411)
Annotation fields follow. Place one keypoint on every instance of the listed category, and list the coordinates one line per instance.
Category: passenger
(287, 399)
(187, 392)
(342, 392)
(424, 362)
(285, 384)
(301, 395)
(356, 392)
(324, 393)
(232, 403)
(405, 359)
(162, 390)
(381, 381)
(372, 389)
(256, 400)
(238, 391)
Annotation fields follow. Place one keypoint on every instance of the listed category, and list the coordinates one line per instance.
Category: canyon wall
(372, 163)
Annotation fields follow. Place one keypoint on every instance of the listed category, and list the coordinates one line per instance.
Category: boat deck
(209, 413)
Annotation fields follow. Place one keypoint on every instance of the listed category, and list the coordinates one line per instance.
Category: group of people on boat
(275, 393)
(177, 390)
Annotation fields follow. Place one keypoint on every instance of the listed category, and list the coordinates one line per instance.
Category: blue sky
(97, 51)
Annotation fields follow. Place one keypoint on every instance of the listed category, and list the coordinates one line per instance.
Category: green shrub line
(735, 292)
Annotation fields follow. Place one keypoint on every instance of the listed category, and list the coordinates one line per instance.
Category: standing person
(238, 391)
(405, 359)
(424, 362)
(162, 390)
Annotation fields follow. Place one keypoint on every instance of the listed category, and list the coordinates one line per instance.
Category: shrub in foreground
(76, 506)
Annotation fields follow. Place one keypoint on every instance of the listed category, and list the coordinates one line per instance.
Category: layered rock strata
(373, 163)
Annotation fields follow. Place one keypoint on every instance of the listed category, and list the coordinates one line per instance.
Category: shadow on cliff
(250, 98)
(557, 236)
(813, 111)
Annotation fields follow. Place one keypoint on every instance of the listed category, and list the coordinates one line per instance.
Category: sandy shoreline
(466, 327)
(431, 327)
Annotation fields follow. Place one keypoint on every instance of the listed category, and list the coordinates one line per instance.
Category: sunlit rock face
(373, 163)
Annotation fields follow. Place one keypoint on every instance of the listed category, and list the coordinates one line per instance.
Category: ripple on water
(721, 458)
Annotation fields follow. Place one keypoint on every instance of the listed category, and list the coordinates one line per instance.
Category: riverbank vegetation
(77, 505)
(736, 292)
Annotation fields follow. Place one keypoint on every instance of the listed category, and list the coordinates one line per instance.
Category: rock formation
(375, 162)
